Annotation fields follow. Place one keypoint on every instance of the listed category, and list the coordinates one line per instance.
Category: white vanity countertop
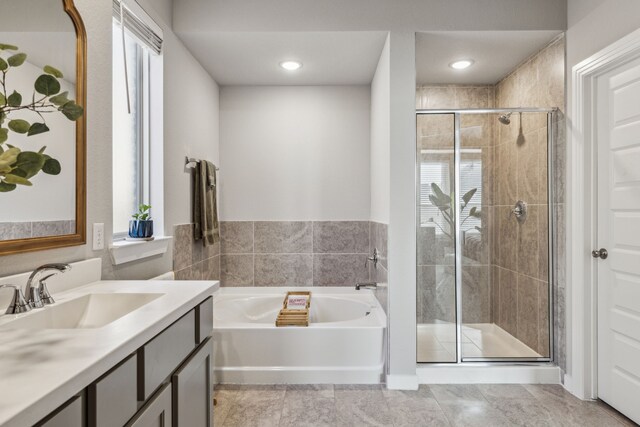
(41, 369)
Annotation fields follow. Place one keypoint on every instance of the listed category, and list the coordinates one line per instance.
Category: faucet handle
(45, 296)
(373, 258)
(18, 303)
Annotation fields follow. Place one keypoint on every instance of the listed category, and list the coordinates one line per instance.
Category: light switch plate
(98, 236)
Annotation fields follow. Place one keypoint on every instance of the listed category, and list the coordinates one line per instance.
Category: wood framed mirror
(43, 50)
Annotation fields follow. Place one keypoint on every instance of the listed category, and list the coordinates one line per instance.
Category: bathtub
(344, 343)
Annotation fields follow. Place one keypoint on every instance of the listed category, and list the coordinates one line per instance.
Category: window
(137, 117)
(436, 167)
(130, 145)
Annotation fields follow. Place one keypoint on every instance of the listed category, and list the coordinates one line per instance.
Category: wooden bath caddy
(294, 317)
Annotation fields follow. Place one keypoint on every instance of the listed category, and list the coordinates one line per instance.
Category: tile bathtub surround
(299, 253)
(25, 230)
(191, 260)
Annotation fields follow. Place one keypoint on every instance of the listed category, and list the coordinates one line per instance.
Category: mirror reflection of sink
(85, 312)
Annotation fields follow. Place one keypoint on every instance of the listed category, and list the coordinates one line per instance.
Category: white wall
(595, 24)
(190, 124)
(191, 99)
(402, 215)
(380, 138)
(294, 153)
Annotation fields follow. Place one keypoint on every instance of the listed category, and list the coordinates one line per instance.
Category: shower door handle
(601, 253)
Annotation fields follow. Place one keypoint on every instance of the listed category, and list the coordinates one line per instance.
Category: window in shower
(483, 272)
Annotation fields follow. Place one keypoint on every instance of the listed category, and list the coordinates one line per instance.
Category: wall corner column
(402, 215)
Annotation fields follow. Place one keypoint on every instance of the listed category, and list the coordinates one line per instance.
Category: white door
(618, 165)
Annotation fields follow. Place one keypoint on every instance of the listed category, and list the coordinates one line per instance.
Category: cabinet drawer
(71, 414)
(204, 320)
(112, 398)
(162, 355)
(156, 412)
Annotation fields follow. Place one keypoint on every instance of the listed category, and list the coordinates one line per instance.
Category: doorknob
(602, 253)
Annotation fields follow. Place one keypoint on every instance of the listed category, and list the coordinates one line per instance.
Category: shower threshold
(480, 341)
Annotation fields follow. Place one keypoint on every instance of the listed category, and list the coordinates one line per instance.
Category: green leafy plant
(143, 213)
(443, 202)
(18, 166)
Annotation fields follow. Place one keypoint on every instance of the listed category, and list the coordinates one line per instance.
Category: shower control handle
(520, 210)
(601, 253)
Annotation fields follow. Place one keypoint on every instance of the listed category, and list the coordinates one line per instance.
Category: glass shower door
(484, 270)
(504, 251)
(436, 290)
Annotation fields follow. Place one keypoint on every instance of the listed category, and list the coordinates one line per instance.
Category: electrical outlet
(98, 236)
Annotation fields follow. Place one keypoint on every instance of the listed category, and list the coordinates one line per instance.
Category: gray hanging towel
(205, 205)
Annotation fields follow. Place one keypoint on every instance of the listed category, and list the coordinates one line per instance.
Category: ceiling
(495, 53)
(367, 15)
(329, 58)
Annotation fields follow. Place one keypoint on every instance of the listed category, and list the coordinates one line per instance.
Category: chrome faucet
(38, 295)
(366, 285)
(18, 303)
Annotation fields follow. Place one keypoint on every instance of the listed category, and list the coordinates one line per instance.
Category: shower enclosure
(484, 235)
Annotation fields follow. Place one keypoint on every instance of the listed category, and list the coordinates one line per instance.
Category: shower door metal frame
(457, 113)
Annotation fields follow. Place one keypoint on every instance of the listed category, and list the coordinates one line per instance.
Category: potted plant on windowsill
(141, 226)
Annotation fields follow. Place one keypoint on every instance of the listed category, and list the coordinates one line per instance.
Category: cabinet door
(112, 397)
(156, 412)
(191, 385)
(71, 414)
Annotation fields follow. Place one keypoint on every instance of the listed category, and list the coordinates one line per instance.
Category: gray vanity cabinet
(158, 358)
(112, 398)
(156, 412)
(191, 383)
(71, 414)
(164, 383)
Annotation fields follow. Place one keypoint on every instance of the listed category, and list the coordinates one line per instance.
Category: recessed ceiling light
(291, 65)
(462, 64)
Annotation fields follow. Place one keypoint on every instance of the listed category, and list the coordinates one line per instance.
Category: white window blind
(470, 178)
(439, 172)
(139, 24)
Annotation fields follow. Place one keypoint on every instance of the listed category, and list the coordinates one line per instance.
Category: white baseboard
(457, 374)
(402, 382)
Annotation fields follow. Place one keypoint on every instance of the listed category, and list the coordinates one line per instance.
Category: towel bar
(189, 160)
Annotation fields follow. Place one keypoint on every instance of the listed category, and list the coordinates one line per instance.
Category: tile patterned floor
(436, 405)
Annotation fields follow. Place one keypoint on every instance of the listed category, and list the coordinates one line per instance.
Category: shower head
(505, 119)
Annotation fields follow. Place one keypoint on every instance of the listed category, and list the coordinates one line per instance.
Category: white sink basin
(86, 312)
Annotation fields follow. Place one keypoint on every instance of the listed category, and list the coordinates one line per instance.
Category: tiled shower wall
(520, 261)
(512, 291)
(299, 253)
